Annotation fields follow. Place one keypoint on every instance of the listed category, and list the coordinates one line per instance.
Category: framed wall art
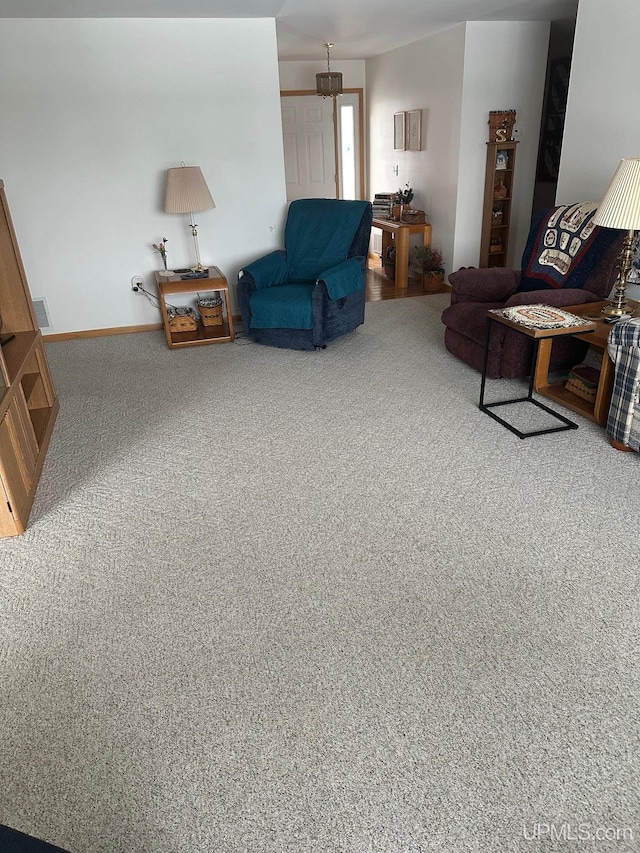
(414, 130)
(399, 139)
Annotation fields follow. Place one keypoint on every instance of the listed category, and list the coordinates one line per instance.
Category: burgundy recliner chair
(567, 261)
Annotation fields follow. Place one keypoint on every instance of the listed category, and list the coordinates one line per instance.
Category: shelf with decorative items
(208, 321)
(498, 195)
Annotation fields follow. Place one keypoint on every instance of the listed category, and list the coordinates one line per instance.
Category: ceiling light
(329, 83)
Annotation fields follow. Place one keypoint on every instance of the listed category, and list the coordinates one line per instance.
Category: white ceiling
(358, 28)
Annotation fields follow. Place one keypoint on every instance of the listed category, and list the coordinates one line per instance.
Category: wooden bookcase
(496, 212)
(28, 402)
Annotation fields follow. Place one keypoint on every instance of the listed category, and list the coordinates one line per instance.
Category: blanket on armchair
(564, 247)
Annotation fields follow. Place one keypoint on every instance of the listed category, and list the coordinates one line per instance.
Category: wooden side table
(214, 282)
(540, 336)
(399, 232)
(598, 410)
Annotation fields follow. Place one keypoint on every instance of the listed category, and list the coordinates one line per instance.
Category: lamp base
(617, 306)
(616, 310)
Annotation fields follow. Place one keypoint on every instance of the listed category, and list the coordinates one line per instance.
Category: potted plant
(429, 265)
(402, 200)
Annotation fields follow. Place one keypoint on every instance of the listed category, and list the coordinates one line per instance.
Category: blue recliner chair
(313, 291)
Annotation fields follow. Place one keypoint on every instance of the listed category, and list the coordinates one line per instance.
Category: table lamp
(187, 192)
(620, 208)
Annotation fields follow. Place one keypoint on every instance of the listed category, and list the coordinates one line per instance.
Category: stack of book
(382, 205)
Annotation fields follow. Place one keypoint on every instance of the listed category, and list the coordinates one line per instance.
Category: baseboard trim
(117, 330)
(98, 333)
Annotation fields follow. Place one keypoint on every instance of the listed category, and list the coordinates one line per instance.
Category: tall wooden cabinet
(28, 403)
(496, 212)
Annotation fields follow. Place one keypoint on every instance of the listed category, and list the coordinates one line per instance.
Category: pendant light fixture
(329, 83)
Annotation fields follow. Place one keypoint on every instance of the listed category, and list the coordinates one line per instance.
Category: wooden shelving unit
(28, 403)
(496, 212)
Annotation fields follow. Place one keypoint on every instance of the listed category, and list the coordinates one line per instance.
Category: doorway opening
(323, 145)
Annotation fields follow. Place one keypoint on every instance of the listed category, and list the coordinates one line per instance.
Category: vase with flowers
(161, 247)
(403, 199)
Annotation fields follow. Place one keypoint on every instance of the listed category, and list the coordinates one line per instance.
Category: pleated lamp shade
(620, 207)
(187, 191)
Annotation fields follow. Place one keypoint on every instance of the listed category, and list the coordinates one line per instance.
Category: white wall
(504, 68)
(425, 75)
(602, 123)
(457, 77)
(94, 112)
(299, 75)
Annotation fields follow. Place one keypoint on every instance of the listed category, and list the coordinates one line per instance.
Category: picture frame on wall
(414, 130)
(399, 131)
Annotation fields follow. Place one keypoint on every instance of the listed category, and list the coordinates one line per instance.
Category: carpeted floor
(281, 602)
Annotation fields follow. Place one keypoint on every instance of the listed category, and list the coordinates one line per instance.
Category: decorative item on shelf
(329, 83)
(620, 208)
(413, 217)
(501, 125)
(182, 319)
(502, 160)
(403, 199)
(583, 382)
(429, 265)
(161, 246)
(495, 245)
(500, 189)
(389, 262)
(187, 192)
(496, 217)
(383, 205)
(210, 310)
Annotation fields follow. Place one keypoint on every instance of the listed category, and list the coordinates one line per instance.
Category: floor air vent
(42, 314)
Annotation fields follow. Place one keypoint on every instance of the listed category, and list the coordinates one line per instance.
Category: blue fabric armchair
(313, 291)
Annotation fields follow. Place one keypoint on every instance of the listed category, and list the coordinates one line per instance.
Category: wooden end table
(540, 337)
(399, 232)
(214, 282)
(598, 410)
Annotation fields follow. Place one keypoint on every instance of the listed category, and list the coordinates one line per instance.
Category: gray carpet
(280, 602)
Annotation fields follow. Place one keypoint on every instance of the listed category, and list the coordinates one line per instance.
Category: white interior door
(309, 146)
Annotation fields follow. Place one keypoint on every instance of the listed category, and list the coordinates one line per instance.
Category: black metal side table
(537, 334)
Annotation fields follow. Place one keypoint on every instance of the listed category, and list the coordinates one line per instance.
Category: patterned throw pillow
(564, 248)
